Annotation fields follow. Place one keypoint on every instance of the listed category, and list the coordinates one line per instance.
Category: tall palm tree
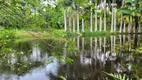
(96, 16)
(123, 4)
(82, 21)
(115, 9)
(78, 21)
(78, 4)
(65, 19)
(104, 15)
(113, 20)
(91, 17)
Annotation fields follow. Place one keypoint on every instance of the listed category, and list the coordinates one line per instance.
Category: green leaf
(125, 11)
(63, 78)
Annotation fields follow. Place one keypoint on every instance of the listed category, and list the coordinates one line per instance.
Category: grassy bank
(27, 34)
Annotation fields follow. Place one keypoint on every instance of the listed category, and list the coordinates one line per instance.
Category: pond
(87, 58)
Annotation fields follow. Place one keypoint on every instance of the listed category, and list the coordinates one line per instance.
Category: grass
(56, 34)
(26, 34)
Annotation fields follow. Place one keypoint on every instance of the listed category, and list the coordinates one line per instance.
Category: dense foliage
(46, 13)
(29, 14)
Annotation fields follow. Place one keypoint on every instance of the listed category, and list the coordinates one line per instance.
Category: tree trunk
(96, 18)
(100, 23)
(129, 25)
(74, 25)
(70, 24)
(115, 19)
(112, 22)
(105, 15)
(82, 22)
(139, 27)
(91, 20)
(136, 23)
(96, 21)
(77, 21)
(133, 24)
(120, 31)
(124, 29)
(82, 25)
(123, 5)
(65, 20)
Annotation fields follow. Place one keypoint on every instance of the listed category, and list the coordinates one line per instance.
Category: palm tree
(79, 4)
(113, 22)
(101, 6)
(104, 15)
(115, 15)
(123, 4)
(73, 24)
(77, 20)
(65, 20)
(96, 21)
(82, 21)
(91, 17)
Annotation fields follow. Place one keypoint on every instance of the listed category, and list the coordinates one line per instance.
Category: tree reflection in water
(33, 59)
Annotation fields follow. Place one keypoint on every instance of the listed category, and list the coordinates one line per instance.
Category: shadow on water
(33, 60)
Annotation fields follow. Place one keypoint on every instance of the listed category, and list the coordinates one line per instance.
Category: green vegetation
(75, 16)
(57, 23)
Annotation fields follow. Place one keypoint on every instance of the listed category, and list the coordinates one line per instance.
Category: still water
(35, 60)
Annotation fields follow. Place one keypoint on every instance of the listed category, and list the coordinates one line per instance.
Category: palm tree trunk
(114, 19)
(82, 25)
(96, 21)
(82, 22)
(123, 5)
(70, 24)
(91, 20)
(77, 21)
(139, 27)
(74, 25)
(112, 22)
(100, 23)
(105, 15)
(65, 20)
(120, 31)
(129, 25)
(124, 29)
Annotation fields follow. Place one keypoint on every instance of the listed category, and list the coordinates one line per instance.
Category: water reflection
(110, 54)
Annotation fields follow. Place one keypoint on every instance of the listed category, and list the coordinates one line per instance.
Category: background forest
(72, 15)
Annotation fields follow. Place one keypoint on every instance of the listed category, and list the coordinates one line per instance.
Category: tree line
(73, 15)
